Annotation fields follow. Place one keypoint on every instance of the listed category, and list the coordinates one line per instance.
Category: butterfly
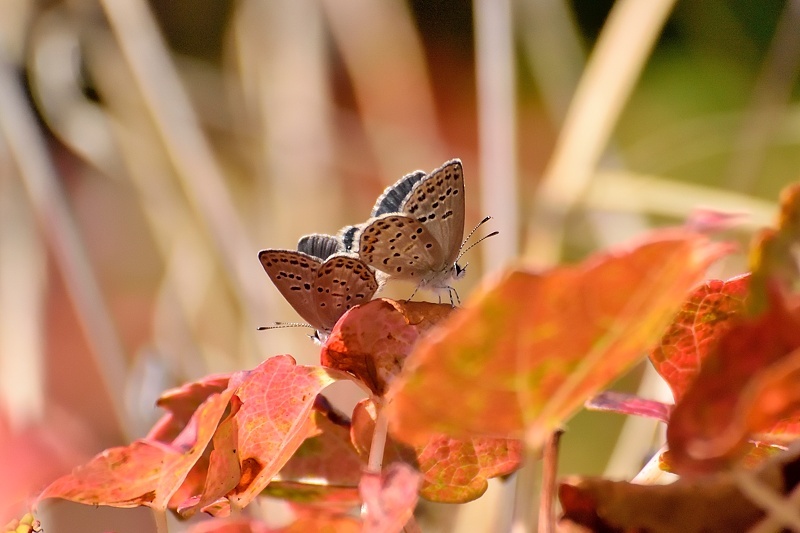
(417, 228)
(319, 280)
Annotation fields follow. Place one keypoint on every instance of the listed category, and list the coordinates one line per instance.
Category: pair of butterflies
(414, 233)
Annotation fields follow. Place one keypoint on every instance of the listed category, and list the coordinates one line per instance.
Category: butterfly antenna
(413, 293)
(471, 233)
(281, 325)
(468, 248)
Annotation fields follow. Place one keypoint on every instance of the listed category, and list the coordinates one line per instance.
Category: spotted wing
(294, 274)
(401, 247)
(391, 201)
(319, 245)
(342, 282)
(438, 203)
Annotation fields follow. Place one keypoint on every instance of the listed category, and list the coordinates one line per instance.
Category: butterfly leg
(451, 291)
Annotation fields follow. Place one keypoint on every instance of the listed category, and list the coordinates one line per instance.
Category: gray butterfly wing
(391, 201)
(347, 236)
(438, 203)
(319, 245)
(294, 274)
(343, 281)
(401, 247)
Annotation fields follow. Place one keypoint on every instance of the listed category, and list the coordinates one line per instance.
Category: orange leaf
(711, 504)
(144, 472)
(327, 456)
(372, 341)
(745, 386)
(223, 471)
(181, 403)
(272, 422)
(704, 317)
(528, 349)
(453, 470)
(714, 506)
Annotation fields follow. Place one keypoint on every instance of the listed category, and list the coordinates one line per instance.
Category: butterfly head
(459, 271)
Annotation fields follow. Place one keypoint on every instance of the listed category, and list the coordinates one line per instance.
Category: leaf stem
(378, 445)
(160, 516)
(547, 519)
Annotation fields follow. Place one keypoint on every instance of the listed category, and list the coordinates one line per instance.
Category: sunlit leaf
(326, 457)
(324, 472)
(223, 471)
(181, 403)
(773, 259)
(747, 385)
(273, 421)
(453, 470)
(144, 472)
(373, 340)
(713, 503)
(529, 348)
(602, 505)
(703, 318)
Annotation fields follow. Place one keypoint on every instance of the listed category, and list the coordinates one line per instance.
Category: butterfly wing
(319, 245)
(391, 201)
(347, 236)
(438, 203)
(342, 282)
(294, 274)
(401, 247)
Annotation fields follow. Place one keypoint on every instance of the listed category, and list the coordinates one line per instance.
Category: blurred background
(148, 151)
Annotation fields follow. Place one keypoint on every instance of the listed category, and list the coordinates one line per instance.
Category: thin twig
(771, 97)
(547, 519)
(497, 110)
(48, 198)
(781, 511)
(614, 66)
(200, 173)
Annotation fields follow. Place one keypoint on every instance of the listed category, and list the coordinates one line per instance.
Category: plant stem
(378, 446)
(781, 511)
(547, 519)
(160, 516)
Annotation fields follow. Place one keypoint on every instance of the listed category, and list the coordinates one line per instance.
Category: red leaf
(453, 471)
(389, 498)
(715, 506)
(223, 472)
(528, 349)
(372, 341)
(181, 403)
(704, 317)
(144, 472)
(272, 422)
(746, 385)
(327, 456)
(324, 473)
